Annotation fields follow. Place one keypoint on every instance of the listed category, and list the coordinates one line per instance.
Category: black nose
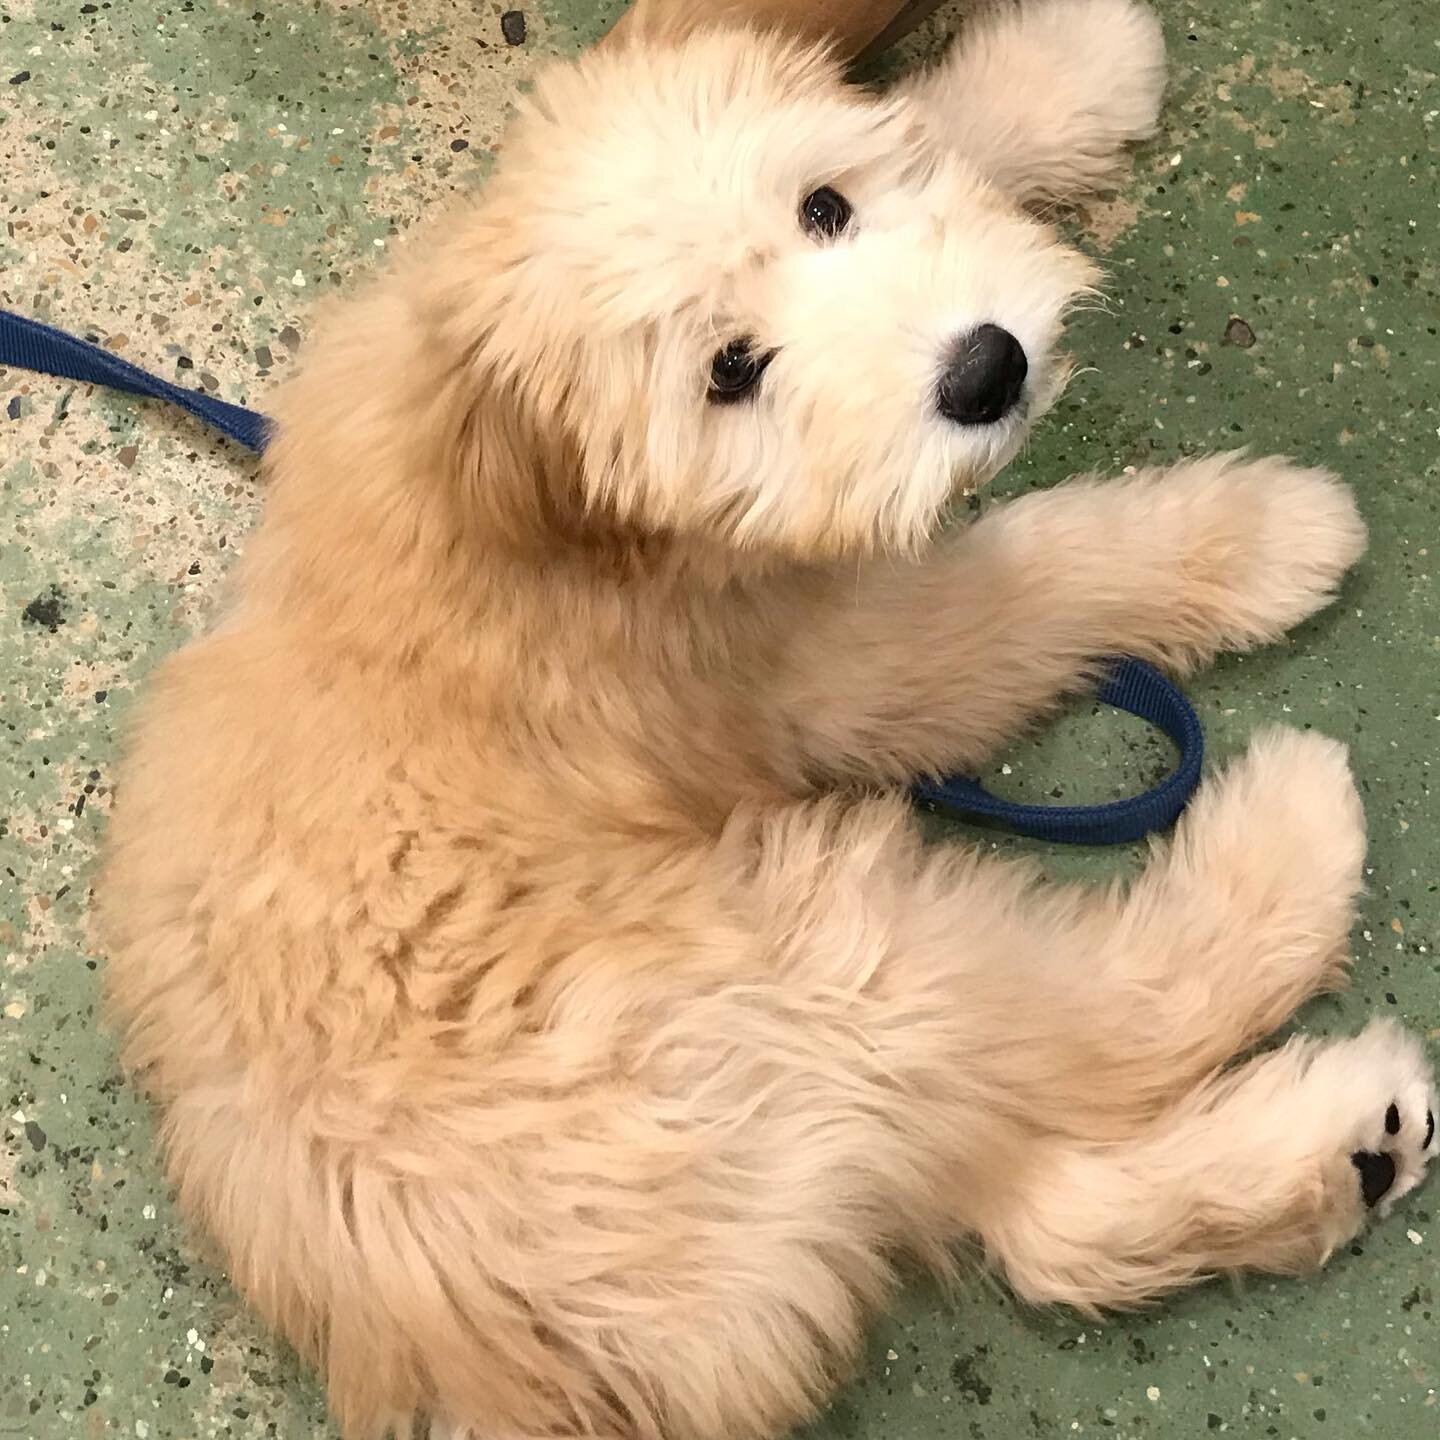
(983, 378)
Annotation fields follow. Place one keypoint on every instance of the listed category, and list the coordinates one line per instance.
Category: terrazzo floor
(185, 180)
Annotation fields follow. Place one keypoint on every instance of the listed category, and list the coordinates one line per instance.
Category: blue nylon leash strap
(1130, 685)
(42, 348)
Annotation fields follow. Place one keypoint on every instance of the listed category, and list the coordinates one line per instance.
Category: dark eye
(735, 371)
(825, 212)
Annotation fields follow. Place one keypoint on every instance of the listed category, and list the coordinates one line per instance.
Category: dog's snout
(984, 376)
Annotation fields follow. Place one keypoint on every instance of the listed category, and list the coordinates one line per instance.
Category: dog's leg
(1269, 1167)
(1240, 920)
(1045, 1067)
(928, 666)
(1089, 1013)
(1095, 1153)
(1044, 98)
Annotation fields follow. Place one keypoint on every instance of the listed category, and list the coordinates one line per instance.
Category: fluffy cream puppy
(513, 903)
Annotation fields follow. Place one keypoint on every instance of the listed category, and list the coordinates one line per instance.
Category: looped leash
(1141, 690)
(1131, 684)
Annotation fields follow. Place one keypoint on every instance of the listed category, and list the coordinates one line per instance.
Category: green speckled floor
(184, 180)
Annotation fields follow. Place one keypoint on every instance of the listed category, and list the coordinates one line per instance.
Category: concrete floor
(186, 180)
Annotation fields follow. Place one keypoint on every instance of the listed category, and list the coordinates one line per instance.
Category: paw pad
(1377, 1173)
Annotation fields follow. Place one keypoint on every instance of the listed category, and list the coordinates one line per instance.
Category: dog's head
(755, 300)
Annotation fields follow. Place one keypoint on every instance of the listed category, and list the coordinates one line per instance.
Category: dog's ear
(403, 457)
(849, 25)
(1043, 99)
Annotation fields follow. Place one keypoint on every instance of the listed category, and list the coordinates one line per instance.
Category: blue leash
(43, 348)
(1133, 686)
(1130, 685)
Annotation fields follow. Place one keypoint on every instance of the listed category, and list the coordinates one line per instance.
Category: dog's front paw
(1304, 533)
(1045, 97)
(1261, 545)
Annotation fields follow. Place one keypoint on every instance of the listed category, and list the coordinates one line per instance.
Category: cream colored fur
(1043, 96)
(556, 1019)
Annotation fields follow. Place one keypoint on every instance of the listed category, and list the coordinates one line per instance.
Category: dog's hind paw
(1395, 1149)
(1371, 1104)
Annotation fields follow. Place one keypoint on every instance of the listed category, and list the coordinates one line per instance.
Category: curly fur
(554, 1017)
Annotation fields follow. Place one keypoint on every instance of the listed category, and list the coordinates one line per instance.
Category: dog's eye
(825, 212)
(735, 371)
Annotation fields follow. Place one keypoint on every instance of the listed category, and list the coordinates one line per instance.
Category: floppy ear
(1043, 98)
(402, 459)
(849, 25)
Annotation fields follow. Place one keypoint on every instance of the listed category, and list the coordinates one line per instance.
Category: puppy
(513, 903)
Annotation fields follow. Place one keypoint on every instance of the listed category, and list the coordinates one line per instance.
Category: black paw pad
(1377, 1174)
(1429, 1129)
(1392, 1119)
